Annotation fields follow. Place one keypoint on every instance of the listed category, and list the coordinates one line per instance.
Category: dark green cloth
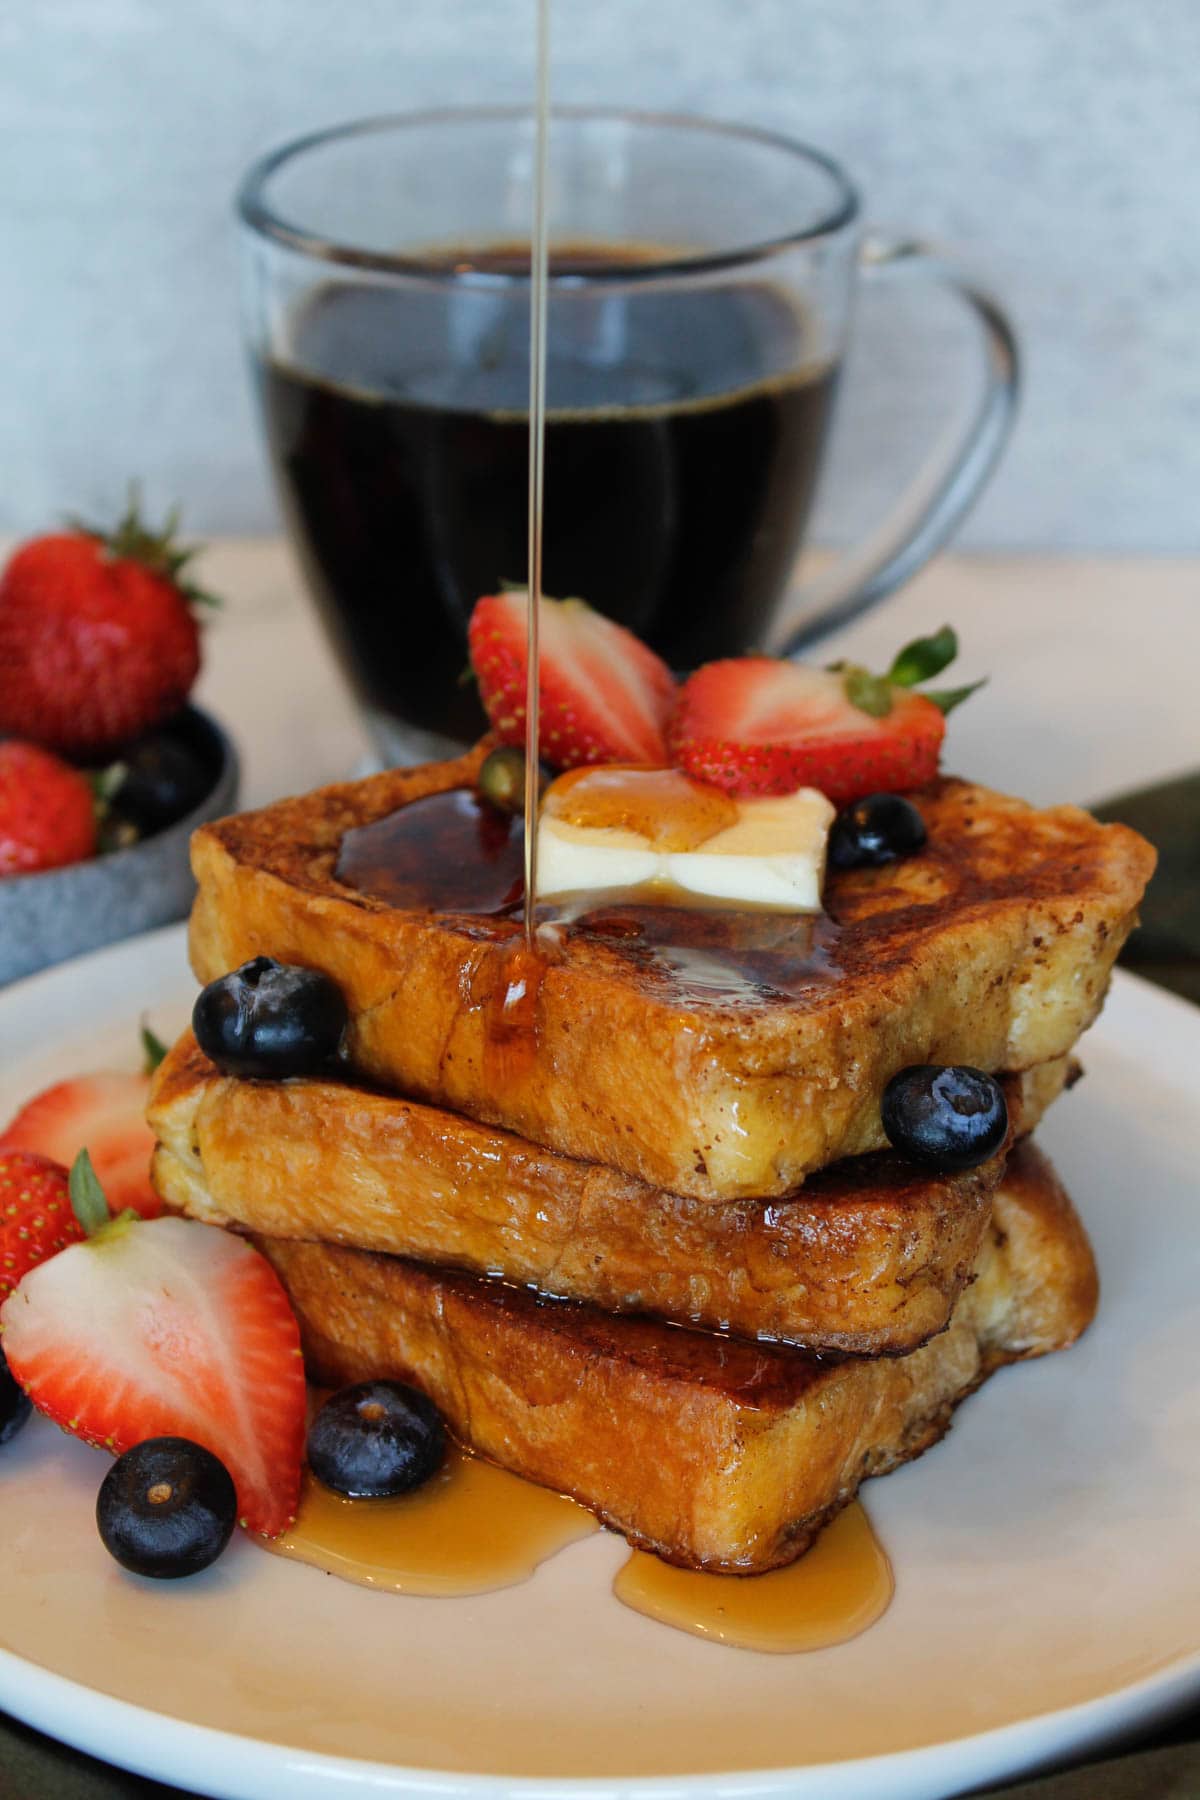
(1166, 950)
(1171, 1773)
(1166, 947)
(33, 1767)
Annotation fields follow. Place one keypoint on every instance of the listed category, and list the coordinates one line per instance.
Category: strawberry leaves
(872, 694)
(918, 662)
(153, 1049)
(946, 699)
(924, 658)
(87, 1196)
(159, 551)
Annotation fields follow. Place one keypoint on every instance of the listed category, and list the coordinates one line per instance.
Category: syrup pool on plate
(832, 1593)
(471, 1529)
(474, 1528)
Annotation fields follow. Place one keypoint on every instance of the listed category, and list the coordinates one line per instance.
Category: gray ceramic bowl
(46, 918)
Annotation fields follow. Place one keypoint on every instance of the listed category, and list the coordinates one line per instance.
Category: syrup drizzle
(453, 853)
(450, 852)
(538, 283)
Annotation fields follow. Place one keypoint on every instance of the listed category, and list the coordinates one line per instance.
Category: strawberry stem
(105, 784)
(871, 694)
(157, 551)
(87, 1196)
(919, 661)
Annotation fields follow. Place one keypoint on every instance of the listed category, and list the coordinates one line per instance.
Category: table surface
(1092, 693)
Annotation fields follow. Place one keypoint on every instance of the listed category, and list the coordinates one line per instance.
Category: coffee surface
(684, 434)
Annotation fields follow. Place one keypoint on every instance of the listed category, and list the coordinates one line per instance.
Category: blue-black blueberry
(879, 829)
(950, 1118)
(163, 781)
(376, 1439)
(270, 1019)
(15, 1404)
(166, 1508)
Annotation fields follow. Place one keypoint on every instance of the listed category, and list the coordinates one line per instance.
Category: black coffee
(683, 439)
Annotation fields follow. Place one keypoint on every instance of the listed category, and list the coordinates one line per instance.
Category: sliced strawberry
(605, 697)
(168, 1328)
(758, 726)
(36, 1220)
(107, 1113)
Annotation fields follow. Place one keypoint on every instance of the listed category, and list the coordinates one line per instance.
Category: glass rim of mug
(258, 216)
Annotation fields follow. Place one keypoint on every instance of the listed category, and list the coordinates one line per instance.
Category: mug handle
(943, 490)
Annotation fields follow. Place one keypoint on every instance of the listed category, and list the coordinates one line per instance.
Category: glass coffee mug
(701, 286)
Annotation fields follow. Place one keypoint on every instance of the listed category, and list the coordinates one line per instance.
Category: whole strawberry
(36, 1219)
(47, 810)
(98, 642)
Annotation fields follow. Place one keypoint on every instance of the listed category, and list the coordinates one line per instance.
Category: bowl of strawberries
(105, 769)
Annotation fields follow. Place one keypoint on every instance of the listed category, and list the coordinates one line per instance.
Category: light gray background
(1056, 143)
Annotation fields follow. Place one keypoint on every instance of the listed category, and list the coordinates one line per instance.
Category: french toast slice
(868, 1256)
(992, 946)
(712, 1452)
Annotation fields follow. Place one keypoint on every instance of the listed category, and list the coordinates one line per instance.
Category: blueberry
(270, 1019)
(376, 1439)
(15, 1404)
(163, 782)
(950, 1118)
(874, 831)
(166, 1508)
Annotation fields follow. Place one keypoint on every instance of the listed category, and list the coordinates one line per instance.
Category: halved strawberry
(105, 1111)
(168, 1328)
(36, 1220)
(605, 697)
(757, 726)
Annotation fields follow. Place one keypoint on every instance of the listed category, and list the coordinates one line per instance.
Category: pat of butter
(772, 855)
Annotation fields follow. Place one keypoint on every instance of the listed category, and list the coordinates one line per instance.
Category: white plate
(1047, 1581)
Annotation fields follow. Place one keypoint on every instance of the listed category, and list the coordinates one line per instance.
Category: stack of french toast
(654, 1249)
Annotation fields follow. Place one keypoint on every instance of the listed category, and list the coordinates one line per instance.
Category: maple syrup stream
(538, 284)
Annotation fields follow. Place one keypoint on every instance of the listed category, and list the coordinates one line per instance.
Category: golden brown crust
(1041, 1287)
(992, 947)
(713, 1452)
(868, 1256)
